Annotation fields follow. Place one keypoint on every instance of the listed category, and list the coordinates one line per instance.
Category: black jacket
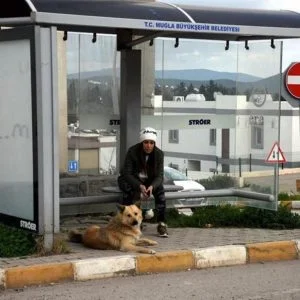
(135, 162)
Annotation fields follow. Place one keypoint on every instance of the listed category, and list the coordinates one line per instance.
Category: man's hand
(149, 190)
(144, 191)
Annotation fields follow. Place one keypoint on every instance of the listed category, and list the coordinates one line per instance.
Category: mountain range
(197, 77)
(181, 75)
(204, 75)
(242, 82)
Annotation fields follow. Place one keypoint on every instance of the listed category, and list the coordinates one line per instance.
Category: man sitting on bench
(142, 175)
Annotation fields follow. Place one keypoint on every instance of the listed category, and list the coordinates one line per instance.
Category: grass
(233, 216)
(60, 246)
(18, 243)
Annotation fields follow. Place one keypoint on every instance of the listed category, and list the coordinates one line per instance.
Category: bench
(167, 187)
(145, 204)
(113, 195)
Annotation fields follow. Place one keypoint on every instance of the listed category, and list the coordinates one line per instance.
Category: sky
(261, 60)
(250, 62)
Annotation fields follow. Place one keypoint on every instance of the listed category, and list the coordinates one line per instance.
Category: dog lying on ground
(123, 232)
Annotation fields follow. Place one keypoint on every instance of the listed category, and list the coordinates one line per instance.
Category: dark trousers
(130, 196)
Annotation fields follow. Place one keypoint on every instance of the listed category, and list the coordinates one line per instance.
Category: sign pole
(276, 185)
(276, 156)
(276, 190)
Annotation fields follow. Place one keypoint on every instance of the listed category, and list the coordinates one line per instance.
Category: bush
(283, 197)
(16, 242)
(233, 216)
(288, 197)
(218, 182)
(294, 197)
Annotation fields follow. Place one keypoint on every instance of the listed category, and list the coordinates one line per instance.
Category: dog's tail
(75, 236)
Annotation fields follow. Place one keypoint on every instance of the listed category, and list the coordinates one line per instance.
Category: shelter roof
(154, 19)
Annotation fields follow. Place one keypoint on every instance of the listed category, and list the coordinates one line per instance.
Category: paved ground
(185, 249)
(179, 239)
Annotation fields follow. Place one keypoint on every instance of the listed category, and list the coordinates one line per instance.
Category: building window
(212, 137)
(194, 165)
(174, 136)
(257, 137)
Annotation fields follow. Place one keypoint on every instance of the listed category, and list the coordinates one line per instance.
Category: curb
(126, 265)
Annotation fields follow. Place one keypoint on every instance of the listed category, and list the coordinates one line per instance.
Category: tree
(190, 89)
(180, 90)
(202, 89)
(157, 89)
(212, 87)
(167, 94)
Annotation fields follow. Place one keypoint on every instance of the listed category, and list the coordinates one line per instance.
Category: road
(287, 182)
(266, 281)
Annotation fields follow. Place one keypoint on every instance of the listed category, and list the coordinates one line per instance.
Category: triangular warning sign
(276, 155)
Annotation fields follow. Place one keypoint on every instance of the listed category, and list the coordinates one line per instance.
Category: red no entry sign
(292, 80)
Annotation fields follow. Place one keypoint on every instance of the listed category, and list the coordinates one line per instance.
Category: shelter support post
(130, 100)
(48, 136)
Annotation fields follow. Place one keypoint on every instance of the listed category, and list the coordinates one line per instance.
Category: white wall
(196, 141)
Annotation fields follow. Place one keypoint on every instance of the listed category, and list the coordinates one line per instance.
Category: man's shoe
(162, 230)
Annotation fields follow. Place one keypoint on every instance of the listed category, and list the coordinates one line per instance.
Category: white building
(94, 152)
(229, 134)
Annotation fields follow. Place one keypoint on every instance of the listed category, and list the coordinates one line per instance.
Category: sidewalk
(186, 248)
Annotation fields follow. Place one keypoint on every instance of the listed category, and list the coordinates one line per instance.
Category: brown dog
(123, 232)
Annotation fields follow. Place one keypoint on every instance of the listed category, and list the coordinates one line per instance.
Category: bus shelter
(29, 83)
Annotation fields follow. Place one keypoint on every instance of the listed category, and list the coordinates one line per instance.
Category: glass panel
(93, 83)
(16, 160)
(216, 110)
(221, 104)
(187, 81)
(259, 112)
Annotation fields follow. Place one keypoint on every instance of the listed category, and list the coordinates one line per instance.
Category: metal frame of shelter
(133, 22)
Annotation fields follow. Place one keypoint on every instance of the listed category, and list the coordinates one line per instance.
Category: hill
(195, 75)
(204, 75)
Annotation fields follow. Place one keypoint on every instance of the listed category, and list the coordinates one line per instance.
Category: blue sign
(73, 166)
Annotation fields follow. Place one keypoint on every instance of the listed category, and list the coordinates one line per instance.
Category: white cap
(148, 133)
